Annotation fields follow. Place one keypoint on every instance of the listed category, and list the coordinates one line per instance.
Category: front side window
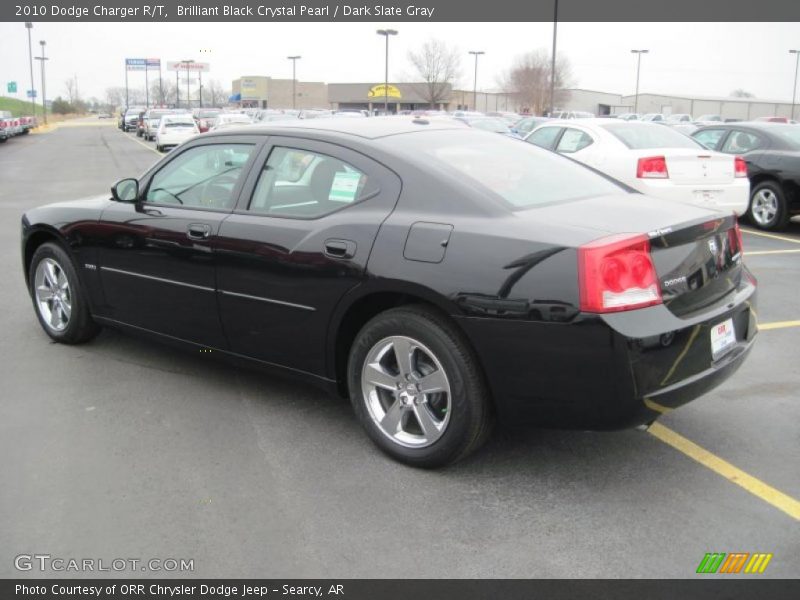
(201, 177)
(710, 138)
(305, 184)
(573, 140)
(544, 137)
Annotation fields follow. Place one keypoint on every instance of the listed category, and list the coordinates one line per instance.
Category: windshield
(519, 175)
(495, 125)
(641, 136)
(181, 123)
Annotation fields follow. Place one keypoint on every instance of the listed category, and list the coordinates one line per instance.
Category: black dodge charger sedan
(772, 154)
(438, 276)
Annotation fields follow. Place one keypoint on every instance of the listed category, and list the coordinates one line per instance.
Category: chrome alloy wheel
(406, 391)
(765, 206)
(53, 294)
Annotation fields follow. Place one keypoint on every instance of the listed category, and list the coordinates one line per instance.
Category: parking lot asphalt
(123, 448)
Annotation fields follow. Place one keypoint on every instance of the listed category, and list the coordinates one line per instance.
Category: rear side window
(710, 138)
(739, 142)
(573, 140)
(544, 137)
(303, 184)
(519, 175)
(640, 136)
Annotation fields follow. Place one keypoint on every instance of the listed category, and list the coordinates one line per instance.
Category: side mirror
(125, 190)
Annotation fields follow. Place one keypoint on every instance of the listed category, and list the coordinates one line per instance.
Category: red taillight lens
(740, 167)
(652, 167)
(735, 240)
(616, 273)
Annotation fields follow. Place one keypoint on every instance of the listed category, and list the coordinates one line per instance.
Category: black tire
(470, 410)
(765, 191)
(80, 327)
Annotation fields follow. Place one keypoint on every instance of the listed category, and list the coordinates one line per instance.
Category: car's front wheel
(57, 296)
(417, 387)
(768, 208)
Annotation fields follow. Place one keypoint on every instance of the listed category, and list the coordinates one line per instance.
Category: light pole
(794, 89)
(44, 92)
(553, 63)
(29, 26)
(294, 60)
(188, 98)
(477, 53)
(386, 33)
(638, 54)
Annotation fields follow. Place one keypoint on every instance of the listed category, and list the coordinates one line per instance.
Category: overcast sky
(707, 59)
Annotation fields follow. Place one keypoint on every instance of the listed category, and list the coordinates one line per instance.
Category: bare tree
(215, 94)
(740, 93)
(528, 80)
(115, 96)
(439, 66)
(71, 85)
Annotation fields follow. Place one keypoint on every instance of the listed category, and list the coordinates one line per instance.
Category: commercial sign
(12, 87)
(142, 64)
(31, 93)
(248, 89)
(179, 65)
(382, 91)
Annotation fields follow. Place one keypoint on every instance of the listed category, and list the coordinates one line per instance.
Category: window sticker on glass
(344, 187)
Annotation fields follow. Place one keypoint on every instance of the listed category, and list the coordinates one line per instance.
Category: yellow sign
(381, 91)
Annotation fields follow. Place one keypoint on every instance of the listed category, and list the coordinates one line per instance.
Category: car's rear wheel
(417, 388)
(768, 208)
(58, 299)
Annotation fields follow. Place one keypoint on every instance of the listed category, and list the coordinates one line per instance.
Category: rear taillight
(740, 167)
(735, 240)
(652, 167)
(616, 273)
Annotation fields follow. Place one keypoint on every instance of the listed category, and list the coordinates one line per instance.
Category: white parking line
(133, 139)
(765, 252)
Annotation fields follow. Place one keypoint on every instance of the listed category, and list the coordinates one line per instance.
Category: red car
(205, 118)
(774, 119)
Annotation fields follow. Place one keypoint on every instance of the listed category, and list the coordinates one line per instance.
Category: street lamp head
(294, 57)
(28, 25)
(42, 43)
(640, 51)
(794, 51)
(386, 32)
(477, 52)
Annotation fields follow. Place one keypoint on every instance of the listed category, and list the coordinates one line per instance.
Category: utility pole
(638, 54)
(294, 60)
(794, 89)
(386, 33)
(477, 53)
(43, 58)
(29, 26)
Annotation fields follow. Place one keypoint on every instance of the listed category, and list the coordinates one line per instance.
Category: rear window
(638, 136)
(520, 175)
(790, 134)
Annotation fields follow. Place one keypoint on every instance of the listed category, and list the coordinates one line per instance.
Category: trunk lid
(688, 166)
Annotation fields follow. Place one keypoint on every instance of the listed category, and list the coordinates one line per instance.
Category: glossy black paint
(775, 160)
(291, 293)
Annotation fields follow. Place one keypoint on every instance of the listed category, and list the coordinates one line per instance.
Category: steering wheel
(217, 191)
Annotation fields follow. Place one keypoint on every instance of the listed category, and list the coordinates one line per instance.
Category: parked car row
(11, 126)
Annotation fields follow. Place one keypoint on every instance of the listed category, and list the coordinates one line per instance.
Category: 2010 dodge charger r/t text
(439, 276)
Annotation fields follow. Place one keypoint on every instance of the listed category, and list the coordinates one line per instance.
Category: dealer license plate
(723, 338)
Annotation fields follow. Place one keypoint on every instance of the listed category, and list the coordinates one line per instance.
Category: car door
(545, 137)
(298, 241)
(156, 260)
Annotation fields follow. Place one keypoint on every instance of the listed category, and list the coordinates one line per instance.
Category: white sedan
(174, 130)
(653, 159)
(226, 120)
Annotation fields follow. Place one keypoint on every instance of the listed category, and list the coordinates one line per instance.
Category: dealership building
(604, 103)
(265, 92)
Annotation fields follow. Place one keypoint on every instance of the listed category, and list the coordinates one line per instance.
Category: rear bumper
(610, 371)
(724, 197)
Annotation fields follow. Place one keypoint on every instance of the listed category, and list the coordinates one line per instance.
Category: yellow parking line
(772, 236)
(778, 325)
(133, 139)
(763, 252)
(721, 467)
